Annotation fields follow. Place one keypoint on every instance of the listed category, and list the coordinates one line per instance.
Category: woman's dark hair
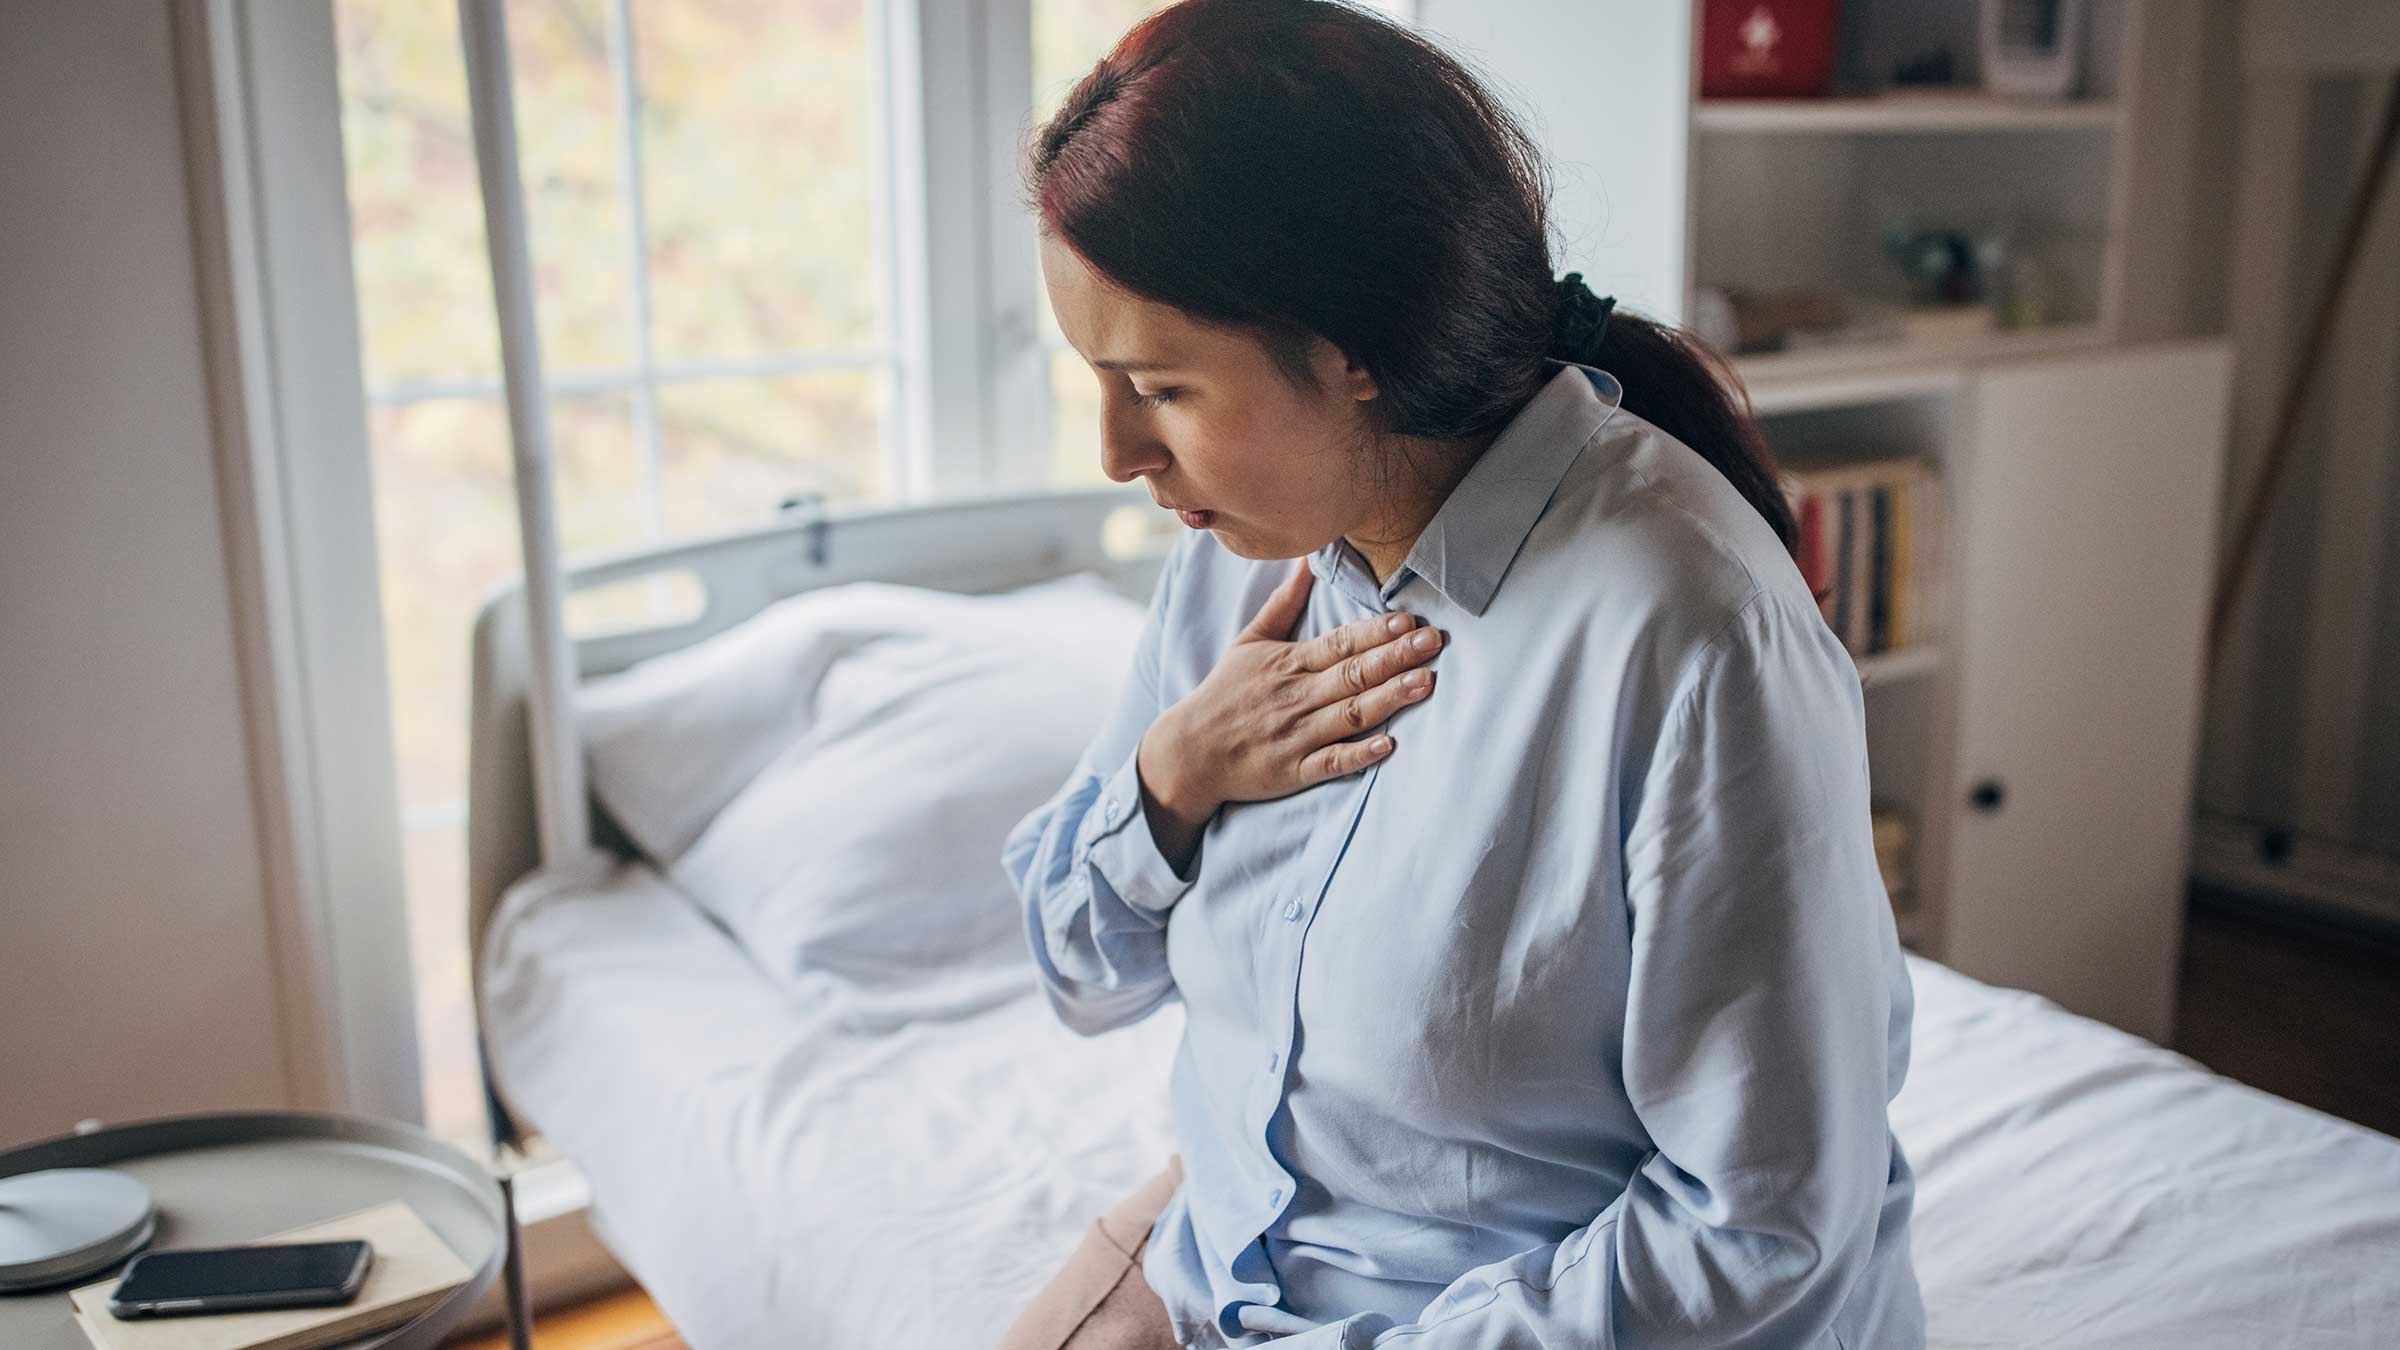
(1306, 168)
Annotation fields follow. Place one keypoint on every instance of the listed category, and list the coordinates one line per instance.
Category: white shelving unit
(1901, 113)
(1846, 374)
(1798, 194)
(2043, 741)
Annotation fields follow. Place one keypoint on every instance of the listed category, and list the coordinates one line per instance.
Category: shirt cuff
(1124, 851)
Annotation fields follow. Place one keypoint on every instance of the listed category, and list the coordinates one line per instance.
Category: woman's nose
(1127, 449)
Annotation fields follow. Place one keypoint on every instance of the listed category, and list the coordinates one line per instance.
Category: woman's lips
(1198, 520)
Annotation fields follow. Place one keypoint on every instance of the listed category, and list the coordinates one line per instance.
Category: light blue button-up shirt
(1572, 1022)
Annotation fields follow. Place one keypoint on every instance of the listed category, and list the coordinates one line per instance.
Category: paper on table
(412, 1269)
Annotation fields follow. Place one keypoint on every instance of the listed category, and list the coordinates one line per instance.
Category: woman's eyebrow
(1133, 366)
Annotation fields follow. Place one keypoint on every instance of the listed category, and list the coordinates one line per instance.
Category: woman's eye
(1163, 396)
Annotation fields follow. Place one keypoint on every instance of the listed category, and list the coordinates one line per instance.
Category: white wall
(134, 969)
(2303, 724)
(1589, 77)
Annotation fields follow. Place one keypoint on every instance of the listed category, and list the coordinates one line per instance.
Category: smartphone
(241, 1279)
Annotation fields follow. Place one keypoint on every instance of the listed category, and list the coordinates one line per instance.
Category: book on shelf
(412, 1269)
(1870, 534)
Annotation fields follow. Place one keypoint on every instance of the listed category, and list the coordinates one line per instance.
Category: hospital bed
(779, 1171)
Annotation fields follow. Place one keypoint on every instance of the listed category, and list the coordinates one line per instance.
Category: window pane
(446, 534)
(734, 449)
(1074, 421)
(1069, 36)
(417, 213)
(761, 187)
(435, 855)
(444, 530)
(572, 156)
(414, 212)
(603, 488)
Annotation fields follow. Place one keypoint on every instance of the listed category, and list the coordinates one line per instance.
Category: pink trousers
(1099, 1300)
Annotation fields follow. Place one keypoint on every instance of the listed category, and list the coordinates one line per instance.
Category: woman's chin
(1257, 549)
(1234, 540)
(1244, 541)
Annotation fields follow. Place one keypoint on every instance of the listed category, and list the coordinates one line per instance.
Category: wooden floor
(2305, 1011)
(627, 1320)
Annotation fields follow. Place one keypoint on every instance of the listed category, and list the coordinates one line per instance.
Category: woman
(1510, 854)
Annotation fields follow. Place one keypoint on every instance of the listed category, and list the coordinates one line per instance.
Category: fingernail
(1418, 681)
(1398, 623)
(1380, 745)
(1427, 640)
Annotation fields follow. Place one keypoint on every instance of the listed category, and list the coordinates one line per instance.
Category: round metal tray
(238, 1177)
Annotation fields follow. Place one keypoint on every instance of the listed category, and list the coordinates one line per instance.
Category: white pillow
(853, 765)
(669, 741)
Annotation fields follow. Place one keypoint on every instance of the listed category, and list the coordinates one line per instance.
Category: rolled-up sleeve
(1755, 1045)
(1095, 886)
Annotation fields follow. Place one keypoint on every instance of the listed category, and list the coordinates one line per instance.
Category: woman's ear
(1361, 385)
(1338, 369)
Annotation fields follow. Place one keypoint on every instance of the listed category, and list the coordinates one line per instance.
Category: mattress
(798, 1172)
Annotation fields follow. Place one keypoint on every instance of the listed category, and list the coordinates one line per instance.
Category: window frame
(968, 293)
(280, 332)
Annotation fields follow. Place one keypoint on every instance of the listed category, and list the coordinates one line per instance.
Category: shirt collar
(1467, 547)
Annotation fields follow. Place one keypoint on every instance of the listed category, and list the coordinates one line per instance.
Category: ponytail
(1680, 385)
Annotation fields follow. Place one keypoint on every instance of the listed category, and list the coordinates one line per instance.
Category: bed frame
(971, 547)
(968, 546)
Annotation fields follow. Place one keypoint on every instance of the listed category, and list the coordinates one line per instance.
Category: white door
(2086, 490)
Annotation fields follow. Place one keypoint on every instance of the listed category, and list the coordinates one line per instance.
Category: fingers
(1372, 707)
(1366, 690)
(1276, 618)
(1327, 650)
(1344, 757)
(1354, 675)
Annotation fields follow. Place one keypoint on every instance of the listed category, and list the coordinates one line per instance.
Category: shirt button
(1114, 809)
(1273, 1060)
(1275, 1197)
(1291, 911)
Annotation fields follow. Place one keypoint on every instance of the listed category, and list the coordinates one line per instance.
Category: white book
(412, 1269)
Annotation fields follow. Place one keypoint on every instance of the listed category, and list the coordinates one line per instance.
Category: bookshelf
(1816, 227)
(2043, 740)
(2040, 738)
(1801, 378)
(1900, 113)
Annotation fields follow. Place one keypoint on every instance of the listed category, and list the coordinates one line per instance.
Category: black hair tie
(1579, 321)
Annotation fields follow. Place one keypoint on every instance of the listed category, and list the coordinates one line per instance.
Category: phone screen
(239, 1271)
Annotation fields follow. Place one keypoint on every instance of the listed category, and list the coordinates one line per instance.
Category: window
(722, 243)
(713, 321)
(1068, 36)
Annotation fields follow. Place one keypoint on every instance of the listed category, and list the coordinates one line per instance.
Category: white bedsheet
(783, 1174)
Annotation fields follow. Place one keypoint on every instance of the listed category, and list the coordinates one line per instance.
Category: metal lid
(69, 1222)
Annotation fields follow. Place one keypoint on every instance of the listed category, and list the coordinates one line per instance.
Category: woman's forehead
(1115, 329)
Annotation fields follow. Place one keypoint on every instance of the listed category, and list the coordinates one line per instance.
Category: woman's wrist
(1177, 804)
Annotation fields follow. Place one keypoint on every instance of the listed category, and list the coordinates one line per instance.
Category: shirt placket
(1284, 942)
(1286, 937)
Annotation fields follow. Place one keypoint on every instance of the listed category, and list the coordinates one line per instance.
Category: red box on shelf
(1766, 48)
